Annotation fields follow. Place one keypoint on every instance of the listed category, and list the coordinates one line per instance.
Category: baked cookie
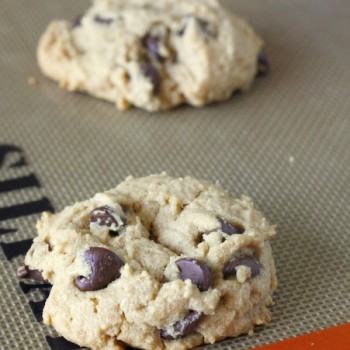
(153, 54)
(156, 263)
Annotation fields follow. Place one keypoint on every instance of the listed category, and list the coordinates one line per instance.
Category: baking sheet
(286, 144)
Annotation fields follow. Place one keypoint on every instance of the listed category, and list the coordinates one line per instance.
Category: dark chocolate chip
(242, 260)
(185, 21)
(202, 24)
(189, 323)
(230, 229)
(195, 271)
(105, 268)
(151, 73)
(181, 31)
(184, 327)
(102, 20)
(151, 43)
(77, 21)
(23, 272)
(263, 64)
(106, 216)
(165, 335)
(26, 272)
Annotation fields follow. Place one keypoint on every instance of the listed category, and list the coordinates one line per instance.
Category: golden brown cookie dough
(156, 263)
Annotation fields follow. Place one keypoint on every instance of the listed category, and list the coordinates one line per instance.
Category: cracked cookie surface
(152, 54)
(156, 263)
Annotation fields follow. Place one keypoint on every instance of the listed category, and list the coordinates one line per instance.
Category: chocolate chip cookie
(156, 263)
(153, 54)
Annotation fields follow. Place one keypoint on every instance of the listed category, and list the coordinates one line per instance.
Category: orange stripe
(335, 338)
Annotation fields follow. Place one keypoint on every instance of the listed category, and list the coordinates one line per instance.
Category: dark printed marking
(25, 209)
(3, 231)
(19, 183)
(44, 288)
(6, 149)
(60, 343)
(13, 157)
(37, 308)
(14, 249)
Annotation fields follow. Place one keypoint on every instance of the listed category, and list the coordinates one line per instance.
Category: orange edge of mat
(335, 338)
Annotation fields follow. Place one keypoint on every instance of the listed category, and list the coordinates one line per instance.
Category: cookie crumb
(243, 273)
(32, 81)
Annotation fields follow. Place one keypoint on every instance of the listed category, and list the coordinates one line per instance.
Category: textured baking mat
(286, 144)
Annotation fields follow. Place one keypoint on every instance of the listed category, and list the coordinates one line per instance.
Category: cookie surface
(152, 54)
(156, 263)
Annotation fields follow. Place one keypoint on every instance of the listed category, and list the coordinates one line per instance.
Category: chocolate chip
(151, 43)
(77, 21)
(202, 24)
(195, 271)
(151, 73)
(189, 323)
(230, 229)
(263, 64)
(242, 260)
(102, 20)
(182, 30)
(165, 335)
(106, 216)
(185, 21)
(184, 327)
(26, 272)
(105, 268)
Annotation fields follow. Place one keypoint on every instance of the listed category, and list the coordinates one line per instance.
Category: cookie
(153, 54)
(156, 263)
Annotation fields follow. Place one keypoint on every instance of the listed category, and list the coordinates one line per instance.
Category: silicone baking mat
(286, 143)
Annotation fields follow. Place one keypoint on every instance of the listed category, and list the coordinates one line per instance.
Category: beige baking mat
(286, 143)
